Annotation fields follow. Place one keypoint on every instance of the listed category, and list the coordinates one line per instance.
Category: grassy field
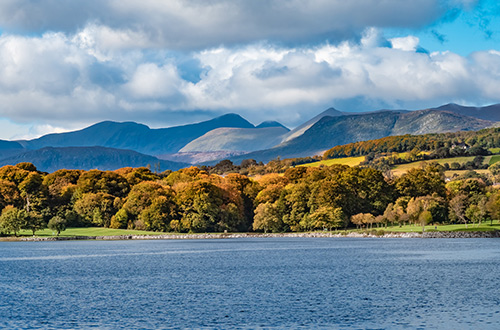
(494, 150)
(403, 168)
(494, 159)
(90, 231)
(351, 161)
(485, 226)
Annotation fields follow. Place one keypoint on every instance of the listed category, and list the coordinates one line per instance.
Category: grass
(89, 231)
(350, 161)
(494, 150)
(485, 226)
(494, 159)
(403, 168)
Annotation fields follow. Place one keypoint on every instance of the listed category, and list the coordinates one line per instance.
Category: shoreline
(442, 234)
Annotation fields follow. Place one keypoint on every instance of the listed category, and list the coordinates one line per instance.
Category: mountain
(491, 112)
(50, 159)
(299, 130)
(331, 131)
(10, 148)
(271, 123)
(237, 139)
(137, 137)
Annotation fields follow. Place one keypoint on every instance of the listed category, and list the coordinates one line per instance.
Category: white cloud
(409, 43)
(67, 80)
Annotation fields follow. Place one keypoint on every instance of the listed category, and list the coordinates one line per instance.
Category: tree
(57, 224)
(362, 219)
(327, 217)
(96, 208)
(33, 221)
(457, 209)
(12, 219)
(422, 182)
(119, 220)
(267, 218)
(159, 214)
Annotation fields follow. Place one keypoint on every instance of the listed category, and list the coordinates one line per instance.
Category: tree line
(193, 200)
(443, 145)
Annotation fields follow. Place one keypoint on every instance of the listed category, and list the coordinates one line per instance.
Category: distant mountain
(137, 137)
(199, 157)
(331, 131)
(491, 112)
(10, 148)
(50, 159)
(299, 130)
(237, 139)
(271, 123)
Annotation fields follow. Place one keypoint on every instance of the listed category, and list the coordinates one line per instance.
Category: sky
(65, 65)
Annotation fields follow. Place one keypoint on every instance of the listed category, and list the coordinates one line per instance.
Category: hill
(299, 130)
(339, 130)
(50, 159)
(237, 139)
(491, 112)
(137, 137)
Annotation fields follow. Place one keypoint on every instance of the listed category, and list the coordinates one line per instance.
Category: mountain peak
(232, 120)
(270, 123)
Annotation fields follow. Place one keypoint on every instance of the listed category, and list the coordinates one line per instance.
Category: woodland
(201, 200)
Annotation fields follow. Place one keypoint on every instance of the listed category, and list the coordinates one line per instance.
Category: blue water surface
(251, 283)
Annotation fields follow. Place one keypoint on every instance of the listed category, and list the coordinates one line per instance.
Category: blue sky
(66, 65)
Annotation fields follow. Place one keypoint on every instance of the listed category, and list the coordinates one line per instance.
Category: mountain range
(111, 145)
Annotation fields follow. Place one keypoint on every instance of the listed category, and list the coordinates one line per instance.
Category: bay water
(251, 283)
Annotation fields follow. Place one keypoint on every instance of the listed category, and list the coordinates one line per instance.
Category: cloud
(66, 80)
(199, 24)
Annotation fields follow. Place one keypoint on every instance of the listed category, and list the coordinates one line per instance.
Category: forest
(195, 200)
(441, 145)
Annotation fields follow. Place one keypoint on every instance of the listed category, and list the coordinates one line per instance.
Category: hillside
(137, 137)
(237, 139)
(491, 112)
(299, 130)
(332, 131)
(85, 158)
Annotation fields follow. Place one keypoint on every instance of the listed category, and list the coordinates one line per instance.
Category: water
(267, 283)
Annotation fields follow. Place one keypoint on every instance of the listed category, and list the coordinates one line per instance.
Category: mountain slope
(237, 139)
(85, 158)
(332, 131)
(299, 130)
(137, 137)
(491, 112)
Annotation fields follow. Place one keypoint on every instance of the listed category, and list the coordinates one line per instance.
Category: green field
(89, 231)
(403, 168)
(485, 226)
(494, 159)
(350, 161)
(494, 150)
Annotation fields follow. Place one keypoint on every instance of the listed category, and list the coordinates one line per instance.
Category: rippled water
(251, 283)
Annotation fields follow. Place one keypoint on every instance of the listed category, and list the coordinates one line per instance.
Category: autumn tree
(267, 218)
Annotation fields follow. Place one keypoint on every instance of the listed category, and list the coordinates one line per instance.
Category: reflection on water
(251, 283)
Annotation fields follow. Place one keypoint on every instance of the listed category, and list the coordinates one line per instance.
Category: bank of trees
(193, 200)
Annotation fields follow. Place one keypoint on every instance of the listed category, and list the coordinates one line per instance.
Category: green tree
(33, 221)
(96, 208)
(119, 220)
(57, 224)
(267, 218)
(12, 219)
(422, 182)
(327, 217)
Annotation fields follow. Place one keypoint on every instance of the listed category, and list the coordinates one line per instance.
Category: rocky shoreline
(437, 234)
